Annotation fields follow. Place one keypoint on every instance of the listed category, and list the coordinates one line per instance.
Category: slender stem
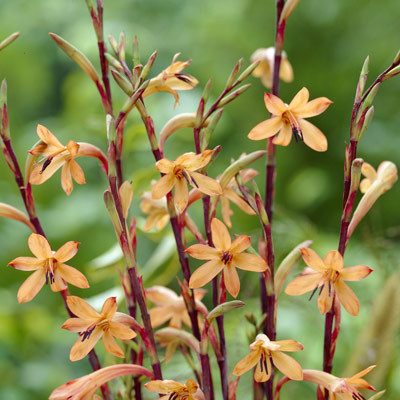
(268, 301)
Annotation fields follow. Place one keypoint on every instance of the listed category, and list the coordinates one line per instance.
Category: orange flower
(92, 325)
(182, 171)
(262, 351)
(56, 156)
(49, 268)
(157, 212)
(340, 388)
(266, 66)
(226, 256)
(176, 390)
(288, 119)
(170, 306)
(171, 79)
(329, 275)
(84, 388)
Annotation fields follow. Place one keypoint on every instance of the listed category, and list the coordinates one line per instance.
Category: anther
(46, 164)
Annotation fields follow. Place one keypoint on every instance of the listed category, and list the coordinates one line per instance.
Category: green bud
(370, 98)
(234, 73)
(223, 308)
(113, 43)
(211, 127)
(8, 40)
(287, 265)
(122, 46)
(289, 7)
(238, 165)
(149, 65)
(233, 95)
(77, 56)
(136, 56)
(207, 90)
(114, 62)
(248, 71)
(134, 98)
(393, 72)
(199, 113)
(122, 82)
(367, 120)
(363, 80)
(356, 174)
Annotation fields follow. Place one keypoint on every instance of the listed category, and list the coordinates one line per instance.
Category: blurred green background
(327, 42)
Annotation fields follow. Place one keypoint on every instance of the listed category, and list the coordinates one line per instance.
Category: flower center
(226, 257)
(51, 265)
(289, 118)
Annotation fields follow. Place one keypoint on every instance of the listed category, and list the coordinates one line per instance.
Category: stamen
(173, 396)
(321, 289)
(313, 292)
(226, 257)
(186, 176)
(183, 77)
(297, 133)
(266, 366)
(261, 363)
(46, 164)
(330, 288)
(86, 334)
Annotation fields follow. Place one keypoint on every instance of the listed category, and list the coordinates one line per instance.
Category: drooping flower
(172, 79)
(84, 388)
(265, 68)
(328, 275)
(171, 307)
(375, 184)
(92, 326)
(57, 155)
(229, 195)
(290, 119)
(157, 212)
(176, 390)
(49, 268)
(226, 256)
(340, 388)
(181, 172)
(263, 351)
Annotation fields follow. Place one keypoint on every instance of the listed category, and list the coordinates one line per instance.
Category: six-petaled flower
(49, 268)
(290, 119)
(263, 351)
(226, 256)
(328, 275)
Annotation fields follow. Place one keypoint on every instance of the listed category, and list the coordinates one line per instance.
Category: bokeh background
(327, 42)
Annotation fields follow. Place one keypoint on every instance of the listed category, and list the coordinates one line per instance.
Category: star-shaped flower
(92, 326)
(290, 119)
(57, 155)
(328, 275)
(172, 79)
(176, 390)
(49, 268)
(170, 306)
(262, 351)
(226, 256)
(181, 172)
(340, 388)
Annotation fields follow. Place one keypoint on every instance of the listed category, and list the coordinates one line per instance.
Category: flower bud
(10, 212)
(8, 40)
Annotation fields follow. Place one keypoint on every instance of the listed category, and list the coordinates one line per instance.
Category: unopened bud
(8, 40)
(223, 308)
(121, 52)
(211, 127)
(207, 90)
(122, 82)
(113, 43)
(77, 56)
(149, 65)
(248, 71)
(135, 51)
(234, 73)
(238, 165)
(233, 95)
(367, 120)
(393, 72)
(287, 265)
(362, 80)
(114, 62)
(10, 212)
